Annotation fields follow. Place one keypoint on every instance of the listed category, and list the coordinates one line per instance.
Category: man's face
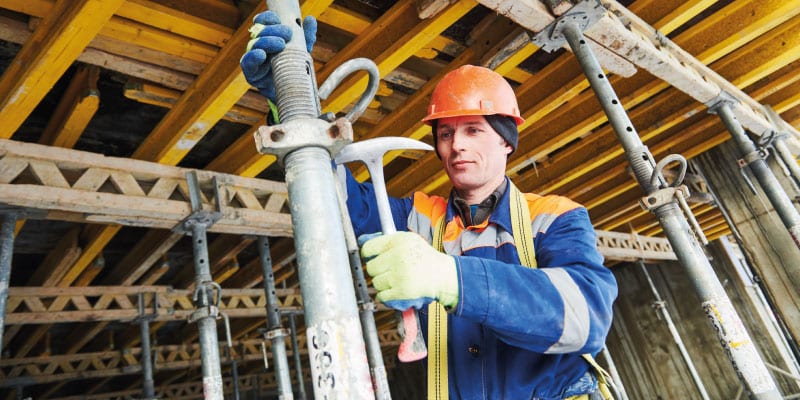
(473, 154)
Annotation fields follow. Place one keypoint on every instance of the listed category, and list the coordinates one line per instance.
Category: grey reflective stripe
(488, 237)
(420, 224)
(542, 222)
(576, 312)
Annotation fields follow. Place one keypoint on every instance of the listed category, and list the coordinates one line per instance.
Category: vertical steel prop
(755, 158)
(8, 221)
(148, 386)
(304, 143)
(206, 303)
(275, 333)
(366, 306)
(298, 366)
(659, 305)
(663, 201)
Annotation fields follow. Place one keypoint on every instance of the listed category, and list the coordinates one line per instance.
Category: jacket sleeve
(363, 208)
(563, 306)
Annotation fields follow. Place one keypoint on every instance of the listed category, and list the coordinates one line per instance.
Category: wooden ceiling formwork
(148, 82)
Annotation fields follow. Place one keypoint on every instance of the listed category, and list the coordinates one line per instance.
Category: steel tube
(298, 366)
(718, 307)
(280, 362)
(618, 387)
(366, 308)
(769, 183)
(148, 386)
(7, 223)
(675, 335)
(336, 348)
(788, 159)
(209, 343)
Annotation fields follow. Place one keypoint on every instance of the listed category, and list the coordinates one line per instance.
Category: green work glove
(407, 272)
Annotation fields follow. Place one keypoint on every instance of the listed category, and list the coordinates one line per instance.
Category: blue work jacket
(516, 332)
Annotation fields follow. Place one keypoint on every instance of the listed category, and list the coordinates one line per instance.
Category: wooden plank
(54, 46)
(58, 260)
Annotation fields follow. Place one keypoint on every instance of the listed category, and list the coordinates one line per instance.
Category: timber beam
(86, 187)
(639, 43)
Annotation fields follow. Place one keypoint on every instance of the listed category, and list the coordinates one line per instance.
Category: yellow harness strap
(437, 316)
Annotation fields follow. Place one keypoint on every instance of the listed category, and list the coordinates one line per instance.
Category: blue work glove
(267, 38)
(407, 272)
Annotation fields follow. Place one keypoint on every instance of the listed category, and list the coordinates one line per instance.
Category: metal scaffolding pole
(755, 159)
(148, 386)
(366, 307)
(298, 366)
(275, 331)
(663, 201)
(7, 223)
(659, 305)
(206, 303)
(304, 143)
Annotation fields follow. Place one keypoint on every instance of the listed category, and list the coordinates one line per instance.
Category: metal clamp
(277, 333)
(209, 310)
(199, 216)
(142, 316)
(205, 312)
(584, 14)
(368, 306)
(749, 158)
(661, 197)
(282, 139)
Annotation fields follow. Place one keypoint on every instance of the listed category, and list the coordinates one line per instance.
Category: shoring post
(756, 159)
(660, 306)
(207, 304)
(618, 386)
(275, 331)
(298, 366)
(8, 221)
(366, 306)
(304, 143)
(148, 386)
(727, 324)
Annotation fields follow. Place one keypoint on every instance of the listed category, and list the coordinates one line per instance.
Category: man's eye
(445, 135)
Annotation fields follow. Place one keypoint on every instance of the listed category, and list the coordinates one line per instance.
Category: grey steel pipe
(716, 304)
(148, 386)
(275, 331)
(333, 330)
(788, 159)
(7, 223)
(366, 306)
(769, 183)
(660, 305)
(298, 366)
(616, 385)
(207, 324)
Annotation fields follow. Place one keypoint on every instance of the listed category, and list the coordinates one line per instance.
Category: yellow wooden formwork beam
(201, 106)
(75, 109)
(175, 21)
(241, 157)
(682, 14)
(314, 7)
(402, 50)
(53, 47)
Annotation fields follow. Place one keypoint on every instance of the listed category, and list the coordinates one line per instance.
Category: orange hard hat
(472, 90)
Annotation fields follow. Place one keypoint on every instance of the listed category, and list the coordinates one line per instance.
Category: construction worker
(527, 308)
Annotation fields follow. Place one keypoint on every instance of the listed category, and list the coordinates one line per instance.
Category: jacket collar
(500, 216)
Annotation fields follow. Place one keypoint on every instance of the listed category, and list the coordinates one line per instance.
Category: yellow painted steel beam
(75, 109)
(57, 42)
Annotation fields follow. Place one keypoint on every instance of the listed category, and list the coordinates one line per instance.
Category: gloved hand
(408, 272)
(267, 38)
